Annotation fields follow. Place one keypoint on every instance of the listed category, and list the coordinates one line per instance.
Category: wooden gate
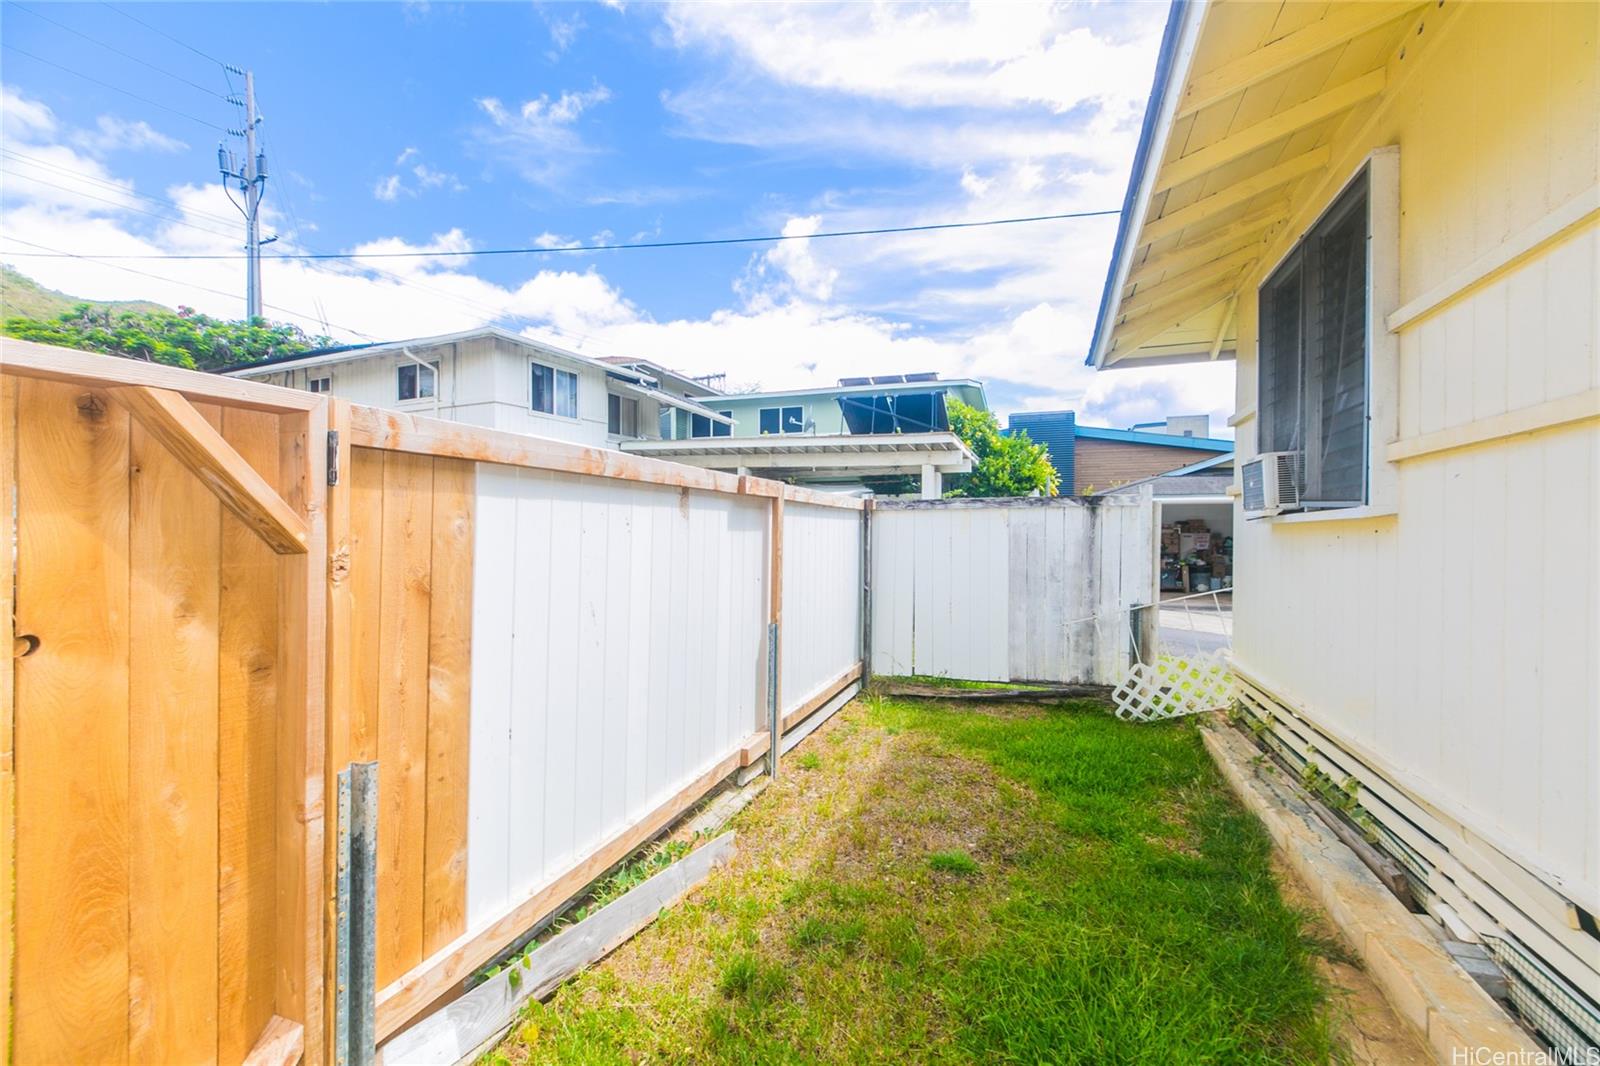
(164, 719)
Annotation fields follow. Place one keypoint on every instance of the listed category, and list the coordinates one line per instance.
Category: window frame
(614, 419)
(782, 411)
(1381, 167)
(417, 378)
(556, 390)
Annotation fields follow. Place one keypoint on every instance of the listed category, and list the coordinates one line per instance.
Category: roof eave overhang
(1184, 22)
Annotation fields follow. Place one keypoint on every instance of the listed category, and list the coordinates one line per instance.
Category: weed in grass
(808, 761)
(898, 941)
(748, 979)
(953, 862)
(814, 933)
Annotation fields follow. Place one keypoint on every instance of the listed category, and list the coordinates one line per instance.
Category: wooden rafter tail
(172, 420)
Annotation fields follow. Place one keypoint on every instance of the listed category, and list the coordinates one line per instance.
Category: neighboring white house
(1388, 214)
(501, 380)
(494, 378)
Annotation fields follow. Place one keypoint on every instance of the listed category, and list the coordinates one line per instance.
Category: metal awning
(680, 402)
(1237, 134)
(839, 455)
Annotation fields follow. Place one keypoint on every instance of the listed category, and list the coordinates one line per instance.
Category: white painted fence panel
(619, 650)
(821, 632)
(1003, 590)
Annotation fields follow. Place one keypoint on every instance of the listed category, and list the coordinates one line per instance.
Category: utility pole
(251, 179)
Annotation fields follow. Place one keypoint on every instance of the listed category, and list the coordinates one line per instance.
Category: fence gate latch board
(333, 457)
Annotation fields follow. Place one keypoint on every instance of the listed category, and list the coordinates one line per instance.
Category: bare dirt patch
(1368, 1028)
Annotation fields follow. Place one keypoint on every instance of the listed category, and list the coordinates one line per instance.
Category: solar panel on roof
(855, 381)
(888, 379)
(929, 375)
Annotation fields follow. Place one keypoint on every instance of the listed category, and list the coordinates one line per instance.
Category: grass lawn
(937, 884)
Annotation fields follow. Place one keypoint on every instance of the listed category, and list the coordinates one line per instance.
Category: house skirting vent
(1522, 945)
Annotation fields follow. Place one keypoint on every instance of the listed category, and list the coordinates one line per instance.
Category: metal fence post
(356, 917)
(866, 594)
(774, 732)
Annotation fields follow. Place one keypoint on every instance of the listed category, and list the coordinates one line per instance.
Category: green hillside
(21, 295)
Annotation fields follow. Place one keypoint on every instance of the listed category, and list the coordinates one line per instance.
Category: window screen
(699, 426)
(769, 420)
(722, 429)
(794, 420)
(1313, 370)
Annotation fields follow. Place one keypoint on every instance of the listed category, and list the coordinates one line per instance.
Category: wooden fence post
(338, 684)
(302, 740)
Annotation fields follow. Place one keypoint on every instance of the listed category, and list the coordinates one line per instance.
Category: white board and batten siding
(619, 643)
(1003, 590)
(1453, 641)
(820, 637)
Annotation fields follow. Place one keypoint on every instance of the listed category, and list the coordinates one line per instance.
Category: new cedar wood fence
(228, 593)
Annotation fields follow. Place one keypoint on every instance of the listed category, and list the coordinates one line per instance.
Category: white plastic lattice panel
(1171, 687)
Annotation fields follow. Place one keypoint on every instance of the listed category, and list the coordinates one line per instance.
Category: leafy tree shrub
(1008, 465)
(183, 338)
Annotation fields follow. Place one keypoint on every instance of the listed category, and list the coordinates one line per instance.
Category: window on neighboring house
(413, 382)
(622, 415)
(555, 392)
(323, 384)
(1313, 371)
(783, 420)
(722, 429)
(699, 425)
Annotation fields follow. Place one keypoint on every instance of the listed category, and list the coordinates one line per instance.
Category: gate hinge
(333, 457)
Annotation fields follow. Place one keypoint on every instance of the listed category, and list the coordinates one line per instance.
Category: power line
(489, 311)
(168, 36)
(118, 51)
(701, 243)
(116, 89)
(111, 185)
(174, 219)
(58, 253)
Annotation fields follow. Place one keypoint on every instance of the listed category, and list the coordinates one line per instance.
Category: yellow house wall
(1458, 638)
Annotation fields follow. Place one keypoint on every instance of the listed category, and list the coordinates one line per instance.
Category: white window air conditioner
(1271, 484)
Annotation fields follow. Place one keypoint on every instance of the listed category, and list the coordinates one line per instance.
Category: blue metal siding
(1057, 431)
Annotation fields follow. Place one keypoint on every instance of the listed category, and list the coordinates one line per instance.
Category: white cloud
(563, 32)
(538, 138)
(113, 134)
(789, 268)
(429, 178)
(394, 186)
(388, 189)
(976, 54)
(23, 117)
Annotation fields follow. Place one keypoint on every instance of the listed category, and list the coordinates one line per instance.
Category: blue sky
(429, 126)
